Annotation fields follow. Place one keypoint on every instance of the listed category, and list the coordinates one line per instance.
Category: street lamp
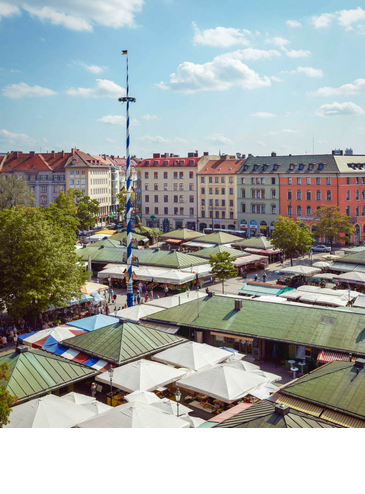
(111, 372)
(177, 397)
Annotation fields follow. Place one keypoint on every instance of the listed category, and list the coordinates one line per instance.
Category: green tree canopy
(37, 268)
(6, 400)
(63, 213)
(87, 209)
(122, 199)
(332, 224)
(14, 191)
(222, 267)
(290, 237)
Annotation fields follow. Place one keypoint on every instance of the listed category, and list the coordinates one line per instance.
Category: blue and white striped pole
(127, 99)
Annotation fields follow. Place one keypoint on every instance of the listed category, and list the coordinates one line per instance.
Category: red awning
(326, 356)
(263, 252)
(174, 241)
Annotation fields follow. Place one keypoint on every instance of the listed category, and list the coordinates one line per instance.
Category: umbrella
(193, 421)
(48, 412)
(300, 269)
(321, 264)
(170, 406)
(77, 398)
(137, 312)
(96, 407)
(351, 277)
(92, 322)
(142, 397)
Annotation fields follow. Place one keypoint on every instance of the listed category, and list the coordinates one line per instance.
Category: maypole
(128, 100)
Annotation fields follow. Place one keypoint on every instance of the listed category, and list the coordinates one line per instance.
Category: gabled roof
(168, 162)
(319, 163)
(219, 238)
(357, 258)
(182, 234)
(123, 236)
(53, 162)
(212, 251)
(122, 343)
(338, 386)
(220, 167)
(263, 416)
(318, 327)
(37, 372)
(256, 243)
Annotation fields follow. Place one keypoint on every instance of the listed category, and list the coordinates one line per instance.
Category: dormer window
(291, 167)
(320, 166)
(191, 162)
(276, 167)
(301, 166)
(310, 166)
(264, 168)
(165, 163)
(255, 167)
(147, 163)
(181, 163)
(155, 163)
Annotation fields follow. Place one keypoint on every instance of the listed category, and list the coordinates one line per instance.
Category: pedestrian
(11, 335)
(106, 310)
(151, 294)
(146, 297)
(138, 299)
(255, 277)
(16, 339)
(166, 290)
(264, 277)
(93, 390)
(244, 274)
(135, 300)
(4, 341)
(144, 288)
(115, 297)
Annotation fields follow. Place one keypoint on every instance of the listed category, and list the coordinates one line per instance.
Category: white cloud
(283, 131)
(310, 71)
(222, 37)
(356, 87)
(222, 73)
(336, 109)
(219, 139)
(15, 71)
(80, 15)
(261, 144)
(110, 140)
(103, 89)
(161, 139)
(94, 69)
(11, 138)
(117, 120)
(292, 23)
(256, 54)
(23, 90)
(263, 114)
(7, 9)
(297, 53)
(323, 20)
(278, 41)
(149, 117)
(276, 79)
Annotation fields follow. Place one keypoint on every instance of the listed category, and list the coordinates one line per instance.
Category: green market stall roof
(257, 288)
(338, 386)
(212, 251)
(108, 242)
(261, 243)
(36, 372)
(264, 415)
(121, 343)
(182, 234)
(219, 238)
(122, 236)
(340, 330)
(147, 257)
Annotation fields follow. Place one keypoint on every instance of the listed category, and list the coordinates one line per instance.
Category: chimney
(190, 155)
(156, 155)
(238, 155)
(249, 155)
(73, 151)
(22, 349)
(31, 154)
(360, 362)
(237, 304)
(206, 153)
(333, 152)
(273, 154)
(52, 154)
(243, 156)
(62, 154)
(281, 409)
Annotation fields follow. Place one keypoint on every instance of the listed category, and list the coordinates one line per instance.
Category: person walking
(255, 277)
(135, 300)
(151, 294)
(138, 299)
(166, 290)
(93, 390)
(264, 277)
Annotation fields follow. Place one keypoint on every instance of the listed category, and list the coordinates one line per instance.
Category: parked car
(321, 248)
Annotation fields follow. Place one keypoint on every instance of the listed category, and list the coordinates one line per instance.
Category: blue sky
(234, 76)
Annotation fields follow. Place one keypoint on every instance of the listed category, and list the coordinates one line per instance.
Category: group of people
(8, 335)
(143, 295)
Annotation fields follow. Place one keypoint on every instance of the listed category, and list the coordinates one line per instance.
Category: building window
(181, 211)
(223, 203)
(308, 195)
(363, 211)
(217, 214)
(155, 175)
(299, 181)
(363, 180)
(309, 211)
(348, 195)
(223, 215)
(357, 180)
(243, 180)
(155, 198)
(202, 180)
(181, 175)
(181, 186)
(357, 211)
(44, 188)
(165, 210)
(210, 190)
(147, 210)
(299, 195)
(176, 211)
(289, 180)
(216, 202)
(348, 211)
(210, 180)
(289, 195)
(217, 191)
(210, 214)
(230, 180)
(156, 210)
(191, 212)
(202, 191)
(176, 199)
(165, 175)
(231, 215)
(263, 208)
(210, 202)
(181, 199)
(147, 198)
(273, 208)
(318, 195)
(243, 193)
(216, 180)
(164, 186)
(230, 203)
(252, 181)
(231, 191)
(273, 181)
(318, 180)
(328, 180)
(146, 175)
(191, 186)
(191, 198)
(165, 198)
(191, 174)
(290, 210)
(202, 202)
(243, 207)
(202, 214)
(175, 175)
(155, 186)
(348, 180)
(175, 186)
(44, 199)
(308, 181)
(222, 180)
(273, 194)
(357, 195)
(253, 193)
(223, 190)
(145, 186)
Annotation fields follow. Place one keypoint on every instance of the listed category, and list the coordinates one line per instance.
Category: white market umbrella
(135, 416)
(300, 269)
(142, 375)
(222, 382)
(321, 264)
(136, 312)
(170, 406)
(48, 412)
(142, 397)
(174, 276)
(254, 369)
(77, 398)
(193, 421)
(192, 355)
(96, 407)
(352, 277)
(175, 300)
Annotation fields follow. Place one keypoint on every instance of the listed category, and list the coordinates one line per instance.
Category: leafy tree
(14, 191)
(6, 400)
(290, 237)
(87, 209)
(37, 269)
(332, 224)
(63, 213)
(222, 267)
(122, 198)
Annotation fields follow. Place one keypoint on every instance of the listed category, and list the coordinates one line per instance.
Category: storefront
(242, 344)
(253, 228)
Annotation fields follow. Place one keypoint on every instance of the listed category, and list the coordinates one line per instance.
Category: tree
(63, 213)
(37, 268)
(6, 400)
(221, 265)
(87, 209)
(122, 198)
(332, 224)
(290, 237)
(14, 191)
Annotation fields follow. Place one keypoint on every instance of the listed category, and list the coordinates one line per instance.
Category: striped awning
(344, 420)
(326, 356)
(302, 406)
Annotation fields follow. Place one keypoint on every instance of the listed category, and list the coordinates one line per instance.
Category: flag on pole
(124, 52)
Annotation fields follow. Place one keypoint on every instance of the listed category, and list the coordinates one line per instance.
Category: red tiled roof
(168, 162)
(220, 167)
(36, 162)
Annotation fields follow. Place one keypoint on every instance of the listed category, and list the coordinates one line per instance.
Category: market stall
(137, 312)
(182, 298)
(251, 262)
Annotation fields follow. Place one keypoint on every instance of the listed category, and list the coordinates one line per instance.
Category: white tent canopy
(116, 271)
(321, 264)
(192, 355)
(136, 312)
(175, 300)
(300, 269)
(48, 412)
(170, 406)
(223, 382)
(254, 369)
(203, 270)
(352, 277)
(135, 415)
(142, 375)
(142, 397)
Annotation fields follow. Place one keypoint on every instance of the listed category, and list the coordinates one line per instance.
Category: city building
(257, 196)
(43, 172)
(217, 192)
(167, 185)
